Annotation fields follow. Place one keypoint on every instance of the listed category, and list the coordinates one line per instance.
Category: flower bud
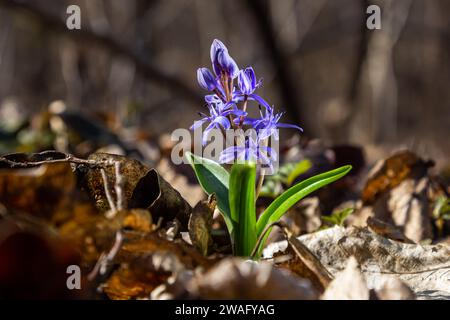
(206, 79)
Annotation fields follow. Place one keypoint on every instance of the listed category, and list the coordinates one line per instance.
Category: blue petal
(198, 123)
(286, 125)
(223, 121)
(265, 133)
(244, 83)
(206, 79)
(206, 132)
(212, 98)
(227, 64)
(260, 100)
(251, 77)
(231, 154)
(215, 47)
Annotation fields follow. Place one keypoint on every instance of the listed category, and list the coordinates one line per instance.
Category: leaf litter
(136, 237)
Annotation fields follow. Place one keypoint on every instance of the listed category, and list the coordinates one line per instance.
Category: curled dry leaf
(142, 188)
(138, 278)
(305, 263)
(386, 230)
(46, 191)
(200, 224)
(153, 242)
(150, 262)
(424, 268)
(94, 234)
(399, 191)
(349, 284)
(156, 194)
(235, 278)
(389, 173)
(406, 206)
(132, 169)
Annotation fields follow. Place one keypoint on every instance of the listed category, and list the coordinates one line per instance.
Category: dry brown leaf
(143, 188)
(349, 284)
(200, 224)
(149, 263)
(390, 172)
(42, 191)
(134, 281)
(424, 268)
(386, 230)
(153, 242)
(235, 278)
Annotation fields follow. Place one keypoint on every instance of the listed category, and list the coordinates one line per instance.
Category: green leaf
(300, 168)
(339, 217)
(287, 173)
(213, 178)
(294, 194)
(441, 207)
(242, 207)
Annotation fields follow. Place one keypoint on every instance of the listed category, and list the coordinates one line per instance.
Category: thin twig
(71, 159)
(119, 186)
(105, 259)
(108, 194)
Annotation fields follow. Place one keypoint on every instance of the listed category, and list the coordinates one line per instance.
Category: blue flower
(206, 79)
(251, 150)
(247, 81)
(222, 62)
(268, 124)
(247, 84)
(218, 118)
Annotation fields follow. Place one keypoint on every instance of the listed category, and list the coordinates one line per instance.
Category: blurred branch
(380, 70)
(361, 56)
(290, 91)
(85, 36)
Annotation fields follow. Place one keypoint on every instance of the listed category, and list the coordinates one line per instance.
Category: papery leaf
(291, 196)
(213, 178)
(242, 207)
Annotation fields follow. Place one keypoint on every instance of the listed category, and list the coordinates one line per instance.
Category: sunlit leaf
(294, 194)
(242, 207)
(213, 178)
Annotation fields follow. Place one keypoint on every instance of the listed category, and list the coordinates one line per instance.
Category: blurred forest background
(132, 66)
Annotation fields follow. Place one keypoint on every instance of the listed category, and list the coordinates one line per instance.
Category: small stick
(70, 158)
(109, 197)
(105, 259)
(119, 186)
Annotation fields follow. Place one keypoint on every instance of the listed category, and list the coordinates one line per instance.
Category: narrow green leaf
(242, 207)
(213, 178)
(300, 168)
(294, 194)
